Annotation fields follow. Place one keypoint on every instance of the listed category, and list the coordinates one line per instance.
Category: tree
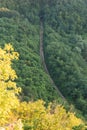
(53, 117)
(8, 89)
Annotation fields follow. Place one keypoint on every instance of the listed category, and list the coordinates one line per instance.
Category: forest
(28, 99)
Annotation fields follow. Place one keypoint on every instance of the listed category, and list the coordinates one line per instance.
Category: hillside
(65, 47)
(16, 28)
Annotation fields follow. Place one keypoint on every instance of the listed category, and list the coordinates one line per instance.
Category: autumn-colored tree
(54, 117)
(8, 89)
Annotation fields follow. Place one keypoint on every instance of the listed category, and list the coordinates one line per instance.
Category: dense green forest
(65, 47)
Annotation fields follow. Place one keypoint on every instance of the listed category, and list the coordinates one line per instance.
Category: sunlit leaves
(53, 117)
(8, 88)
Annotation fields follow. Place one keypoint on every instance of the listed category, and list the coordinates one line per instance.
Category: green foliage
(80, 127)
(24, 36)
(4, 12)
(66, 49)
(66, 15)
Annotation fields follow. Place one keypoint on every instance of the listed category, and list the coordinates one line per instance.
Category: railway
(44, 64)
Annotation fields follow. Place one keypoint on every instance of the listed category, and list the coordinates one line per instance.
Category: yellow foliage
(6, 56)
(37, 117)
(8, 88)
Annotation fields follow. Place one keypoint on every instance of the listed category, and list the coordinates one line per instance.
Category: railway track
(44, 64)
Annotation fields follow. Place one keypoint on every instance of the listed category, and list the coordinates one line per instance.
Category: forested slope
(19, 25)
(65, 47)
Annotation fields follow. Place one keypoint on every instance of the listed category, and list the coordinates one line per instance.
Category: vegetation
(24, 36)
(33, 115)
(8, 91)
(65, 48)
